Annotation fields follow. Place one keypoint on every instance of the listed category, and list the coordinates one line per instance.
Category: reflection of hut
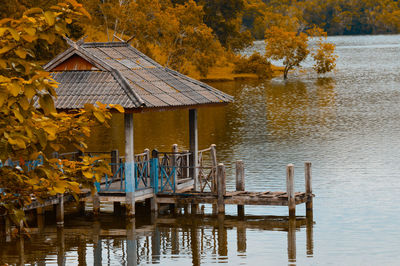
(116, 73)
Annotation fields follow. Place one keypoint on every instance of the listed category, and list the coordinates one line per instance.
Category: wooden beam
(129, 165)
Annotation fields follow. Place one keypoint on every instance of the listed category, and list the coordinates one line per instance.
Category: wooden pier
(164, 180)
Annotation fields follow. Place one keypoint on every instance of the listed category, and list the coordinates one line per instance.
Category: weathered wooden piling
(240, 183)
(291, 238)
(290, 189)
(308, 185)
(241, 238)
(221, 188)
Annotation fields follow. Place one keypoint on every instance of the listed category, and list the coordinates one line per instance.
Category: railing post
(147, 162)
(114, 163)
(221, 178)
(290, 189)
(240, 183)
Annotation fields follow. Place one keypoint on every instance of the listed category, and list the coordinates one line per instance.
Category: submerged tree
(292, 48)
(29, 123)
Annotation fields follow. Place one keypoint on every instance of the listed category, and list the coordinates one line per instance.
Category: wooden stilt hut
(117, 73)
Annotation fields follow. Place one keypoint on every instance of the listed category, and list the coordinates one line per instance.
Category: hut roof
(117, 73)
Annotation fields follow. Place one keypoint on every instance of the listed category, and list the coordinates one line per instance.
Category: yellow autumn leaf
(68, 20)
(14, 88)
(21, 53)
(118, 107)
(47, 104)
(99, 116)
(5, 49)
(88, 175)
(18, 115)
(50, 17)
(30, 31)
(14, 34)
(29, 38)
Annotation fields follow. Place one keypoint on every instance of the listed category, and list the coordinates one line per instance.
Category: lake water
(346, 123)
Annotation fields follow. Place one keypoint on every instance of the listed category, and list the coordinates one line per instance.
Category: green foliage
(256, 64)
(25, 130)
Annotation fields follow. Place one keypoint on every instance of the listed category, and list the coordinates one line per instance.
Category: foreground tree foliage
(27, 131)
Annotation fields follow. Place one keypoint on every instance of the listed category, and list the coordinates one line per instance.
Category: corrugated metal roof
(129, 78)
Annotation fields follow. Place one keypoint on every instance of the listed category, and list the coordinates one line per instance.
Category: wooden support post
(155, 182)
(194, 147)
(175, 164)
(40, 211)
(290, 189)
(175, 241)
(129, 165)
(241, 238)
(81, 207)
(60, 246)
(40, 221)
(60, 211)
(308, 183)
(7, 225)
(131, 243)
(222, 236)
(21, 250)
(156, 245)
(214, 175)
(96, 203)
(291, 238)
(310, 233)
(97, 249)
(221, 189)
(194, 244)
(82, 251)
(240, 184)
(117, 208)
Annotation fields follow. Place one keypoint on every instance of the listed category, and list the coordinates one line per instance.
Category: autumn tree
(29, 122)
(172, 34)
(290, 47)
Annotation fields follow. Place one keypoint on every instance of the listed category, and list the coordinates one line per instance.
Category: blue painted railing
(31, 165)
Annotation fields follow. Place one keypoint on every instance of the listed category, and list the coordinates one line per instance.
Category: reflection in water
(87, 241)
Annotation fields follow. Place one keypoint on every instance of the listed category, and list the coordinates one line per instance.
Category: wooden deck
(276, 198)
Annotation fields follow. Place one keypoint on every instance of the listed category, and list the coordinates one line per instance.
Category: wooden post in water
(240, 183)
(308, 184)
(131, 243)
(290, 189)
(291, 238)
(221, 189)
(129, 165)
